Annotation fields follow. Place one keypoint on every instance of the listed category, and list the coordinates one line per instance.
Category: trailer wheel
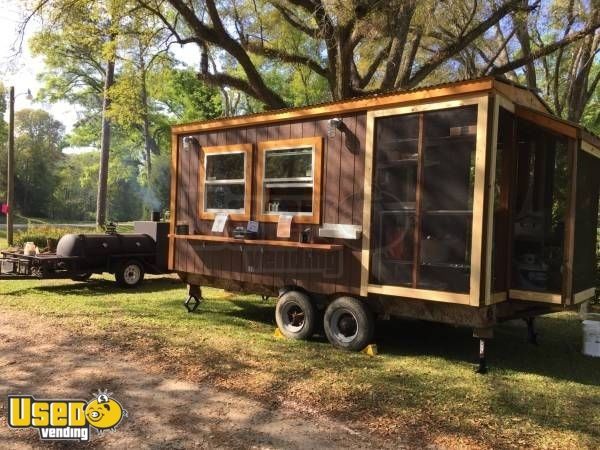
(349, 324)
(295, 315)
(129, 274)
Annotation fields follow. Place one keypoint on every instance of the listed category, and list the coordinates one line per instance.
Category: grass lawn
(422, 386)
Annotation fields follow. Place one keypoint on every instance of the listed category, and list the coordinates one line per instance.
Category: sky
(21, 71)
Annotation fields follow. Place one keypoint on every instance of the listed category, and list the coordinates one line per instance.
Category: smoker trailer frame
(467, 203)
(80, 261)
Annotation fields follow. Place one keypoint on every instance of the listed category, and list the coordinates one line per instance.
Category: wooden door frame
(482, 143)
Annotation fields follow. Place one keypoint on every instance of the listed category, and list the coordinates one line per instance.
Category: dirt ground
(164, 412)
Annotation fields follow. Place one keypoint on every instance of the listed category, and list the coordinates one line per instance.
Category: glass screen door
(422, 199)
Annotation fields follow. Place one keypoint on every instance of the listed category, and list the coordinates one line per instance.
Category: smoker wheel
(129, 273)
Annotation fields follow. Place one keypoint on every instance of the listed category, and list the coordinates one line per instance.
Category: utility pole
(10, 173)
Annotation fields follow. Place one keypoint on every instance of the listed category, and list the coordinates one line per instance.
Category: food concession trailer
(467, 203)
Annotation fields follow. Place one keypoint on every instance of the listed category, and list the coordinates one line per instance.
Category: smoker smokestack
(155, 216)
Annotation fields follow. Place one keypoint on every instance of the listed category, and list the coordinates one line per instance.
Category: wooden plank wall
(341, 202)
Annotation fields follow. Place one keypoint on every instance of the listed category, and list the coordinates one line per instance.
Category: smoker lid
(70, 245)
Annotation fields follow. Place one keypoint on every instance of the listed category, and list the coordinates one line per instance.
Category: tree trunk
(101, 202)
(146, 125)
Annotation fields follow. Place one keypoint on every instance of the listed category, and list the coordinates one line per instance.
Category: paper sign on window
(219, 223)
(284, 226)
(252, 226)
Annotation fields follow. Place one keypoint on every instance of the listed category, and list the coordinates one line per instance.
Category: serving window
(289, 179)
(226, 181)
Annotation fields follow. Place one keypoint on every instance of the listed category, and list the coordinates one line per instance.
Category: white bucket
(29, 249)
(591, 337)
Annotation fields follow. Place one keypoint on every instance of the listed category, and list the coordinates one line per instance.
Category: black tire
(296, 315)
(130, 273)
(349, 324)
(82, 276)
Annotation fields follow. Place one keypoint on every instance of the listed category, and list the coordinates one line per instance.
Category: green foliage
(182, 96)
(38, 143)
(40, 234)
(149, 94)
(74, 198)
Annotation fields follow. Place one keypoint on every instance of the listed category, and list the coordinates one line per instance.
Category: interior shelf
(272, 243)
(404, 162)
(448, 212)
(398, 261)
(444, 139)
(446, 265)
(398, 211)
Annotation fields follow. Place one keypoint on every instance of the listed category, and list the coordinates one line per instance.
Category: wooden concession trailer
(467, 203)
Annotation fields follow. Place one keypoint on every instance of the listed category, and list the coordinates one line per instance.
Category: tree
(3, 141)
(38, 144)
(361, 46)
(569, 76)
(83, 35)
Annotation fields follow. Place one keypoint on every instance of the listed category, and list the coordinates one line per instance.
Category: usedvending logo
(71, 420)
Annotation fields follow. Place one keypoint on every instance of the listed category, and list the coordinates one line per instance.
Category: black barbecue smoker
(78, 256)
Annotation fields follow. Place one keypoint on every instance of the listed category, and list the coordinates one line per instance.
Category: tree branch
(455, 47)
(284, 56)
(289, 18)
(219, 36)
(546, 50)
(383, 53)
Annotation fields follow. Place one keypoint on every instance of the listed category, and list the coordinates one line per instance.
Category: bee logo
(104, 412)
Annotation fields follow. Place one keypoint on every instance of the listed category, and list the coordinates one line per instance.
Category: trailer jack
(482, 334)
(531, 333)
(482, 368)
(194, 298)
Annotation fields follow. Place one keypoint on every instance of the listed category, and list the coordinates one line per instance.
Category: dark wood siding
(341, 202)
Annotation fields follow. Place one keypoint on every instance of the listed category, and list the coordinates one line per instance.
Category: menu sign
(284, 226)
(219, 223)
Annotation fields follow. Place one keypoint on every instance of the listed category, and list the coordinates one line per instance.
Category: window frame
(234, 214)
(316, 143)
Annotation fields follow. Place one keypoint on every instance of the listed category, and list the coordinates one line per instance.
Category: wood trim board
(421, 294)
(418, 202)
(367, 199)
(584, 295)
(248, 177)
(569, 233)
(316, 142)
(498, 297)
(589, 148)
(547, 121)
(489, 241)
(521, 96)
(266, 243)
(477, 264)
(173, 200)
(545, 297)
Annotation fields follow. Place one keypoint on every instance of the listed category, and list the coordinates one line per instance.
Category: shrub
(39, 234)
